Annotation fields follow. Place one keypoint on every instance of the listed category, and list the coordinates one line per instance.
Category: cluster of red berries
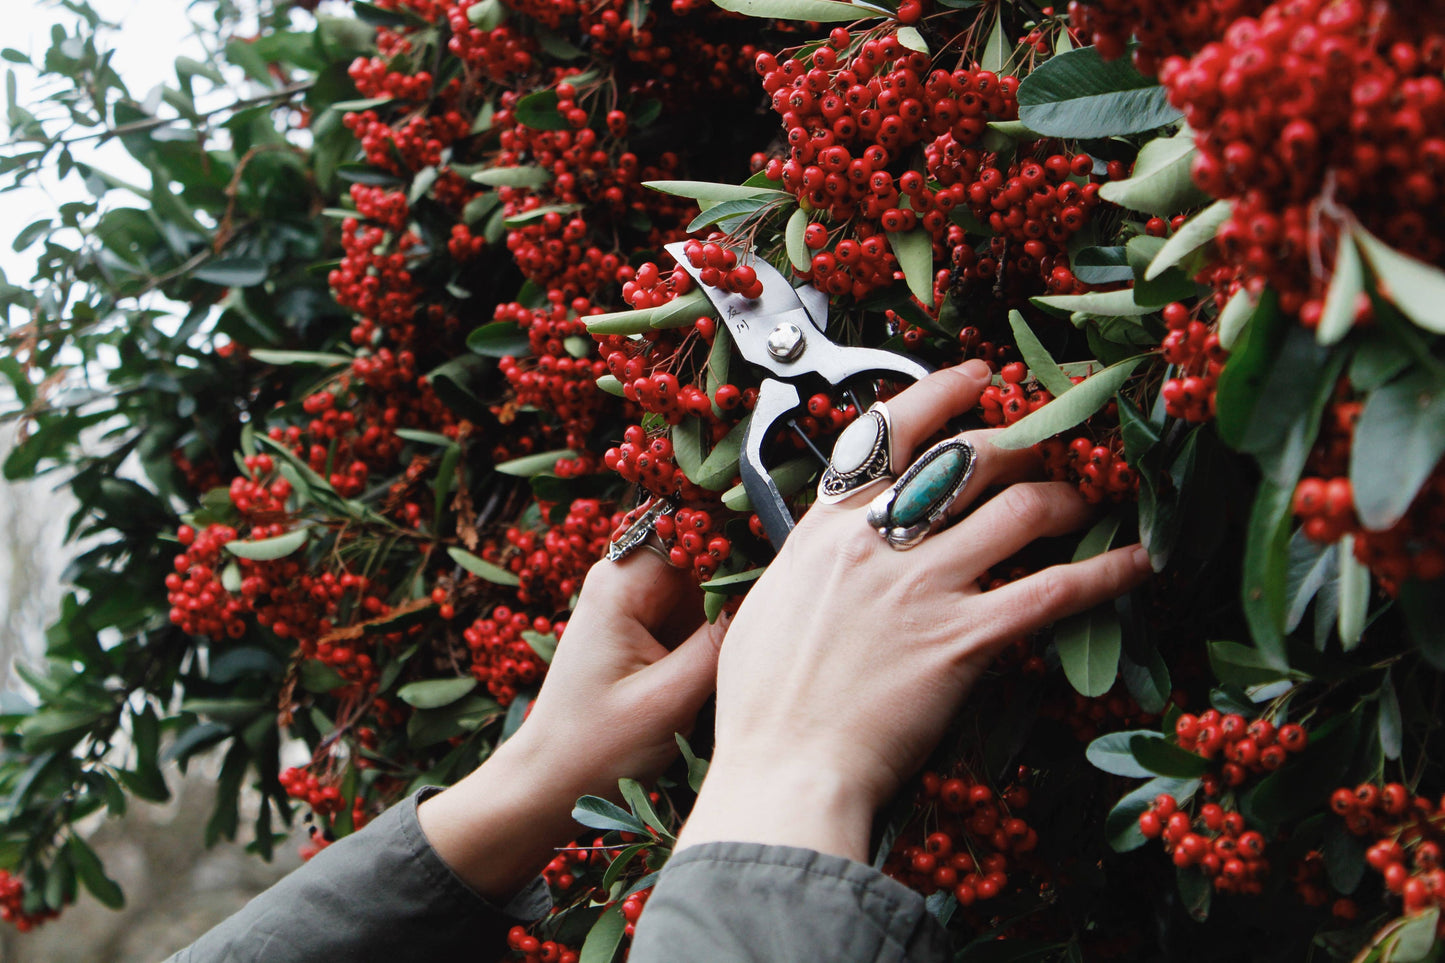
(1247, 747)
(12, 905)
(552, 562)
(1350, 131)
(1033, 207)
(718, 267)
(1414, 547)
(324, 800)
(1195, 350)
(553, 378)
(1161, 28)
(407, 146)
(1409, 833)
(851, 111)
(1088, 718)
(648, 287)
(1215, 841)
(200, 603)
(1099, 469)
(533, 950)
(978, 838)
(1011, 400)
(650, 463)
(694, 541)
(1311, 883)
(502, 658)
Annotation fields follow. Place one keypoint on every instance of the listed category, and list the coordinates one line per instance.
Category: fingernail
(1140, 558)
(977, 369)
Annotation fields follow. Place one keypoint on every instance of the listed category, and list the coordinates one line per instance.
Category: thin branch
(144, 126)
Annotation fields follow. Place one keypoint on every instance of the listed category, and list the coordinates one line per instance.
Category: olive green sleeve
(382, 895)
(737, 902)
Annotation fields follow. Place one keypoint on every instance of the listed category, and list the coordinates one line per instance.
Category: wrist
(500, 825)
(781, 803)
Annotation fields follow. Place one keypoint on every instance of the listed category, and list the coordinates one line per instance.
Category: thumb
(687, 675)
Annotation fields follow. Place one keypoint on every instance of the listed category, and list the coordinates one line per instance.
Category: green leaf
(1149, 683)
(1196, 892)
(1346, 286)
(56, 728)
(1423, 605)
(487, 15)
(1162, 183)
(499, 339)
(914, 250)
(539, 111)
(1238, 312)
(513, 176)
(1391, 725)
(1414, 939)
(687, 446)
(1100, 304)
(537, 213)
(1266, 570)
(734, 584)
(267, 549)
(610, 385)
(1309, 777)
(435, 693)
(424, 437)
(1416, 288)
(1112, 753)
(545, 645)
(1089, 645)
(681, 312)
(996, 49)
(595, 812)
(790, 477)
(92, 874)
(238, 272)
(541, 463)
(1398, 441)
(717, 193)
(1037, 357)
(605, 936)
(729, 209)
(1354, 595)
(910, 37)
(1075, 406)
(798, 254)
(1163, 758)
(1079, 94)
(696, 767)
(1242, 665)
(320, 678)
(299, 357)
(620, 322)
(1311, 565)
(1192, 235)
(1102, 265)
(720, 467)
(1238, 392)
(636, 797)
(823, 11)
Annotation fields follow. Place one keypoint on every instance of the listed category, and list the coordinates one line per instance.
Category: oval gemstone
(856, 444)
(926, 489)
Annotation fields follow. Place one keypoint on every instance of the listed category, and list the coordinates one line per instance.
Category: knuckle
(1027, 505)
(1055, 593)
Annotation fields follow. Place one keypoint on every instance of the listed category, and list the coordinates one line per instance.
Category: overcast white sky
(152, 34)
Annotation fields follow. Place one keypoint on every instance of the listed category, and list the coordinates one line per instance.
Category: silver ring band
(917, 504)
(861, 456)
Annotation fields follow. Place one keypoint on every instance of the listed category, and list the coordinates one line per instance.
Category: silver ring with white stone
(917, 504)
(861, 456)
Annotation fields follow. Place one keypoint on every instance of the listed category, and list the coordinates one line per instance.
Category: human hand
(848, 659)
(633, 667)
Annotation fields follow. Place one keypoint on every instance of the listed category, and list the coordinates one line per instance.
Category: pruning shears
(784, 332)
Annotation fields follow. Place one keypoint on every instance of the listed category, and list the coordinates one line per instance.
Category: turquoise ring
(917, 504)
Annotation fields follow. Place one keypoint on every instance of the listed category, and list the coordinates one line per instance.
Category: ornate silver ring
(917, 504)
(861, 456)
(642, 533)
